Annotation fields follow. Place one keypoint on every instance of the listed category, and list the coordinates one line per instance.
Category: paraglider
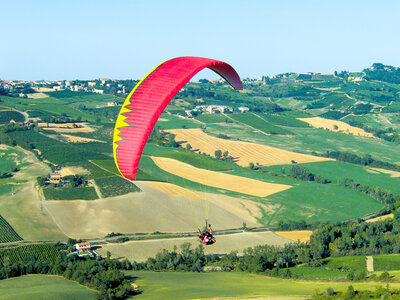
(148, 99)
(146, 102)
(206, 237)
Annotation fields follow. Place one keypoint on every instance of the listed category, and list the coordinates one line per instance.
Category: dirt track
(243, 152)
(141, 250)
(219, 180)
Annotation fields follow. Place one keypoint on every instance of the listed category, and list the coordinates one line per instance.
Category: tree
(225, 154)
(218, 154)
(188, 147)
(171, 140)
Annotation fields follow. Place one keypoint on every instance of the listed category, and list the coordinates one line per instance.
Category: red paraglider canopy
(148, 99)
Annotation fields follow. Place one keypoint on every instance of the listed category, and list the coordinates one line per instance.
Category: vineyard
(39, 252)
(8, 115)
(115, 185)
(70, 193)
(7, 233)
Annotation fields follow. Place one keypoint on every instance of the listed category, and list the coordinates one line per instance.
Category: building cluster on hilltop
(100, 86)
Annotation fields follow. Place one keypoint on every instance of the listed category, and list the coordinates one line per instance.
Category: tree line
(366, 160)
(376, 192)
(302, 173)
(327, 240)
(103, 275)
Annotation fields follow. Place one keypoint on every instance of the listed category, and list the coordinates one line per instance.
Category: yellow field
(66, 127)
(243, 152)
(65, 171)
(389, 172)
(78, 139)
(37, 96)
(141, 250)
(43, 89)
(384, 217)
(296, 235)
(318, 122)
(228, 182)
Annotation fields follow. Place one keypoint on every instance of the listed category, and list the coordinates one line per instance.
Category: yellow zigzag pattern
(121, 118)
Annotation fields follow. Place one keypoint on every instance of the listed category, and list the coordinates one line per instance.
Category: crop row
(40, 252)
(7, 233)
(115, 185)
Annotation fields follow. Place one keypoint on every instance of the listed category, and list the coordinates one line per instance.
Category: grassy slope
(334, 268)
(23, 211)
(7, 233)
(185, 285)
(43, 287)
(318, 202)
(283, 120)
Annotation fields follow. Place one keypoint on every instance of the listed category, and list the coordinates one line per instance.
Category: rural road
(140, 236)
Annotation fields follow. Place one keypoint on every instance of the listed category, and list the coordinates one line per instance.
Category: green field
(213, 118)
(187, 285)
(54, 150)
(319, 203)
(386, 262)
(23, 209)
(197, 160)
(172, 122)
(337, 171)
(7, 115)
(7, 233)
(11, 158)
(35, 287)
(70, 193)
(55, 106)
(283, 120)
(259, 123)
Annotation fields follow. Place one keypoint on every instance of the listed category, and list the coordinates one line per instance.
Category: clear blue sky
(125, 39)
